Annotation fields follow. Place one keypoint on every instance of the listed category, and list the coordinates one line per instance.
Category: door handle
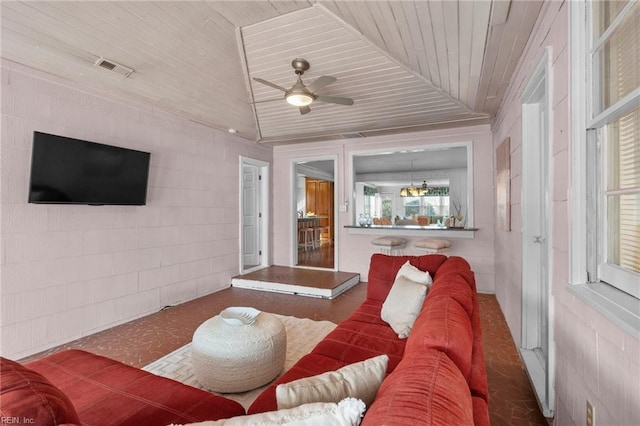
(539, 239)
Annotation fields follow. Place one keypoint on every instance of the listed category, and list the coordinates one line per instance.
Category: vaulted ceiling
(407, 65)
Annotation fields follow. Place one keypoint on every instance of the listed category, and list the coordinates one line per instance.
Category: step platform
(299, 281)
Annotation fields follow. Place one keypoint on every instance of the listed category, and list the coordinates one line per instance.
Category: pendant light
(412, 190)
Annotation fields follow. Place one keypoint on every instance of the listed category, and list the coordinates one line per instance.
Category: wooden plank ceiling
(407, 65)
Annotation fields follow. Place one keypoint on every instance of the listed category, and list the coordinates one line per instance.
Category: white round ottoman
(237, 358)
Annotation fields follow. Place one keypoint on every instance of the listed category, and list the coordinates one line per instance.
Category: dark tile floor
(142, 341)
(511, 398)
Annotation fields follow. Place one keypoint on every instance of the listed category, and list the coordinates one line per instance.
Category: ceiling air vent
(114, 67)
(352, 135)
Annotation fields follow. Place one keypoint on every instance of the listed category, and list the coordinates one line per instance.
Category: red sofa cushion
(383, 270)
(354, 341)
(368, 312)
(456, 264)
(480, 412)
(105, 391)
(444, 325)
(26, 394)
(361, 336)
(454, 286)
(427, 389)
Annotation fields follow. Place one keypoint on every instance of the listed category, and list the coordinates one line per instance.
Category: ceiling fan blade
(320, 82)
(304, 109)
(335, 100)
(267, 100)
(268, 83)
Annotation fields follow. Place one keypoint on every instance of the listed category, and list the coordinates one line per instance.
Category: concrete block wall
(68, 271)
(595, 359)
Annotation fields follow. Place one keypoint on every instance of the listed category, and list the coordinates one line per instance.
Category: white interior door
(536, 345)
(250, 217)
(253, 220)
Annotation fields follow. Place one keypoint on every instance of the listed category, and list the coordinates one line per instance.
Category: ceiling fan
(300, 95)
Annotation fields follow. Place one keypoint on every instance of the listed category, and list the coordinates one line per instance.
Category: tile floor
(142, 341)
(511, 398)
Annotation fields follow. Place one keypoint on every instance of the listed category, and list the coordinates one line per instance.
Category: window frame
(423, 205)
(586, 246)
(428, 145)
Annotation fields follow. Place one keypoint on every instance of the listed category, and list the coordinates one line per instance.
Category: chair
(305, 236)
(423, 220)
(317, 235)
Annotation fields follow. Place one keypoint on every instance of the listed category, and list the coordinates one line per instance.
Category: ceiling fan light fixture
(302, 96)
(299, 99)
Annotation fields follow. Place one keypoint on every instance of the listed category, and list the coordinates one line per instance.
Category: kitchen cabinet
(319, 203)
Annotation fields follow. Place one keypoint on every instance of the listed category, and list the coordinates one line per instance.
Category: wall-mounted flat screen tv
(73, 171)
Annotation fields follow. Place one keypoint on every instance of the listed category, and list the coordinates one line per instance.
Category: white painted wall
(354, 251)
(595, 360)
(68, 271)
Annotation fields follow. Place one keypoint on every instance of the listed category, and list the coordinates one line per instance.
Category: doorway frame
(265, 220)
(541, 371)
(293, 178)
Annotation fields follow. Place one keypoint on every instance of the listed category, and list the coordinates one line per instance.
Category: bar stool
(305, 237)
(317, 233)
(433, 245)
(389, 245)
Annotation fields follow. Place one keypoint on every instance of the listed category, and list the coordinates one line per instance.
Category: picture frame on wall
(503, 184)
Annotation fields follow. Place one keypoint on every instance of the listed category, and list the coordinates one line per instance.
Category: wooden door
(325, 198)
(319, 201)
(311, 196)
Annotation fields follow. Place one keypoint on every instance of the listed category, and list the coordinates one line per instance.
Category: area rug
(302, 335)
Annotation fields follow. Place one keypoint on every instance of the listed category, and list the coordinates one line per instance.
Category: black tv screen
(73, 171)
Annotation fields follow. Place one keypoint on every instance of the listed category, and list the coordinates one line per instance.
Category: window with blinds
(615, 58)
(623, 191)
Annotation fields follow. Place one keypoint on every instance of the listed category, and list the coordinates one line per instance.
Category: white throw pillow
(358, 380)
(414, 274)
(347, 412)
(402, 305)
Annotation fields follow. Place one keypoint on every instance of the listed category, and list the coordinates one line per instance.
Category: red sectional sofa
(77, 387)
(435, 377)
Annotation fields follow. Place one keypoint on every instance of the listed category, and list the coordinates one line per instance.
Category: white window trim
(619, 307)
